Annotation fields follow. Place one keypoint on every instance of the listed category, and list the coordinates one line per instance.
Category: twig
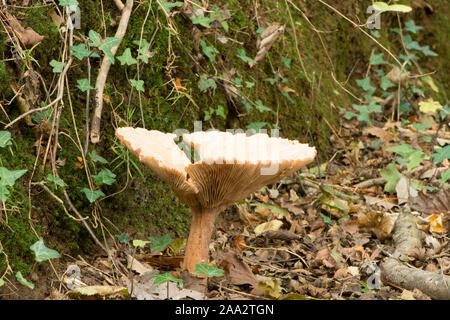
(103, 73)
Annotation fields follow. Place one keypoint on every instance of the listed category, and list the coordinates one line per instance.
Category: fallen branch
(408, 237)
(103, 73)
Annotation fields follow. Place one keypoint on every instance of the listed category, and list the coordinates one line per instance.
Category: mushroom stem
(197, 247)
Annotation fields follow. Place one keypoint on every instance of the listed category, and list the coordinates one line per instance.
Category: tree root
(408, 237)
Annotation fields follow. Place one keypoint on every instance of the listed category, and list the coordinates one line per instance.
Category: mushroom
(230, 167)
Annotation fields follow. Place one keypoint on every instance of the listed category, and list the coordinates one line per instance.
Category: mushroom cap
(231, 166)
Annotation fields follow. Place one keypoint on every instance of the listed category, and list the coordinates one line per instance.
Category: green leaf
(169, 5)
(57, 181)
(143, 51)
(1, 282)
(427, 51)
(138, 84)
(421, 126)
(386, 83)
(166, 277)
(207, 270)
(410, 26)
(203, 21)
(92, 195)
(57, 66)
(84, 85)
(286, 62)
(243, 56)
(376, 59)
(80, 51)
(107, 45)
(140, 243)
(441, 154)
(392, 177)
(415, 158)
(126, 58)
(403, 150)
(366, 85)
(220, 111)
(4, 193)
(123, 238)
(5, 139)
(444, 176)
(96, 39)
(249, 84)
(8, 178)
(209, 51)
(96, 157)
(261, 107)
(23, 281)
(237, 81)
(105, 176)
(384, 7)
(160, 243)
(72, 4)
(257, 126)
(42, 253)
(205, 83)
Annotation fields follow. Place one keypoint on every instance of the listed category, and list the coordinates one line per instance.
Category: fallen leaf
(28, 37)
(376, 223)
(268, 38)
(236, 270)
(266, 226)
(178, 85)
(271, 288)
(97, 292)
(404, 190)
(435, 221)
(323, 257)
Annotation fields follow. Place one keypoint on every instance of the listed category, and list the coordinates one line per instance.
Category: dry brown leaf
(377, 223)
(379, 132)
(266, 226)
(435, 221)
(323, 257)
(236, 270)
(28, 37)
(268, 38)
(270, 288)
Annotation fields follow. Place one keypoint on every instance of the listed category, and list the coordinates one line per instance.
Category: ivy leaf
(441, 154)
(57, 66)
(123, 238)
(421, 126)
(366, 85)
(444, 176)
(261, 107)
(107, 45)
(377, 59)
(166, 277)
(42, 253)
(80, 51)
(140, 243)
(427, 51)
(72, 4)
(5, 139)
(127, 58)
(386, 83)
(138, 84)
(169, 5)
(92, 195)
(209, 51)
(392, 176)
(8, 178)
(243, 56)
(205, 83)
(105, 176)
(220, 111)
(84, 85)
(96, 39)
(57, 181)
(257, 126)
(143, 51)
(203, 21)
(415, 158)
(160, 243)
(404, 150)
(23, 281)
(410, 26)
(4, 193)
(249, 84)
(207, 270)
(96, 157)
(286, 62)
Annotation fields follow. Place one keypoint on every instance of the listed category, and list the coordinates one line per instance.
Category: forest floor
(307, 237)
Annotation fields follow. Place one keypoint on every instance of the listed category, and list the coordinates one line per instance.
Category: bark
(408, 237)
